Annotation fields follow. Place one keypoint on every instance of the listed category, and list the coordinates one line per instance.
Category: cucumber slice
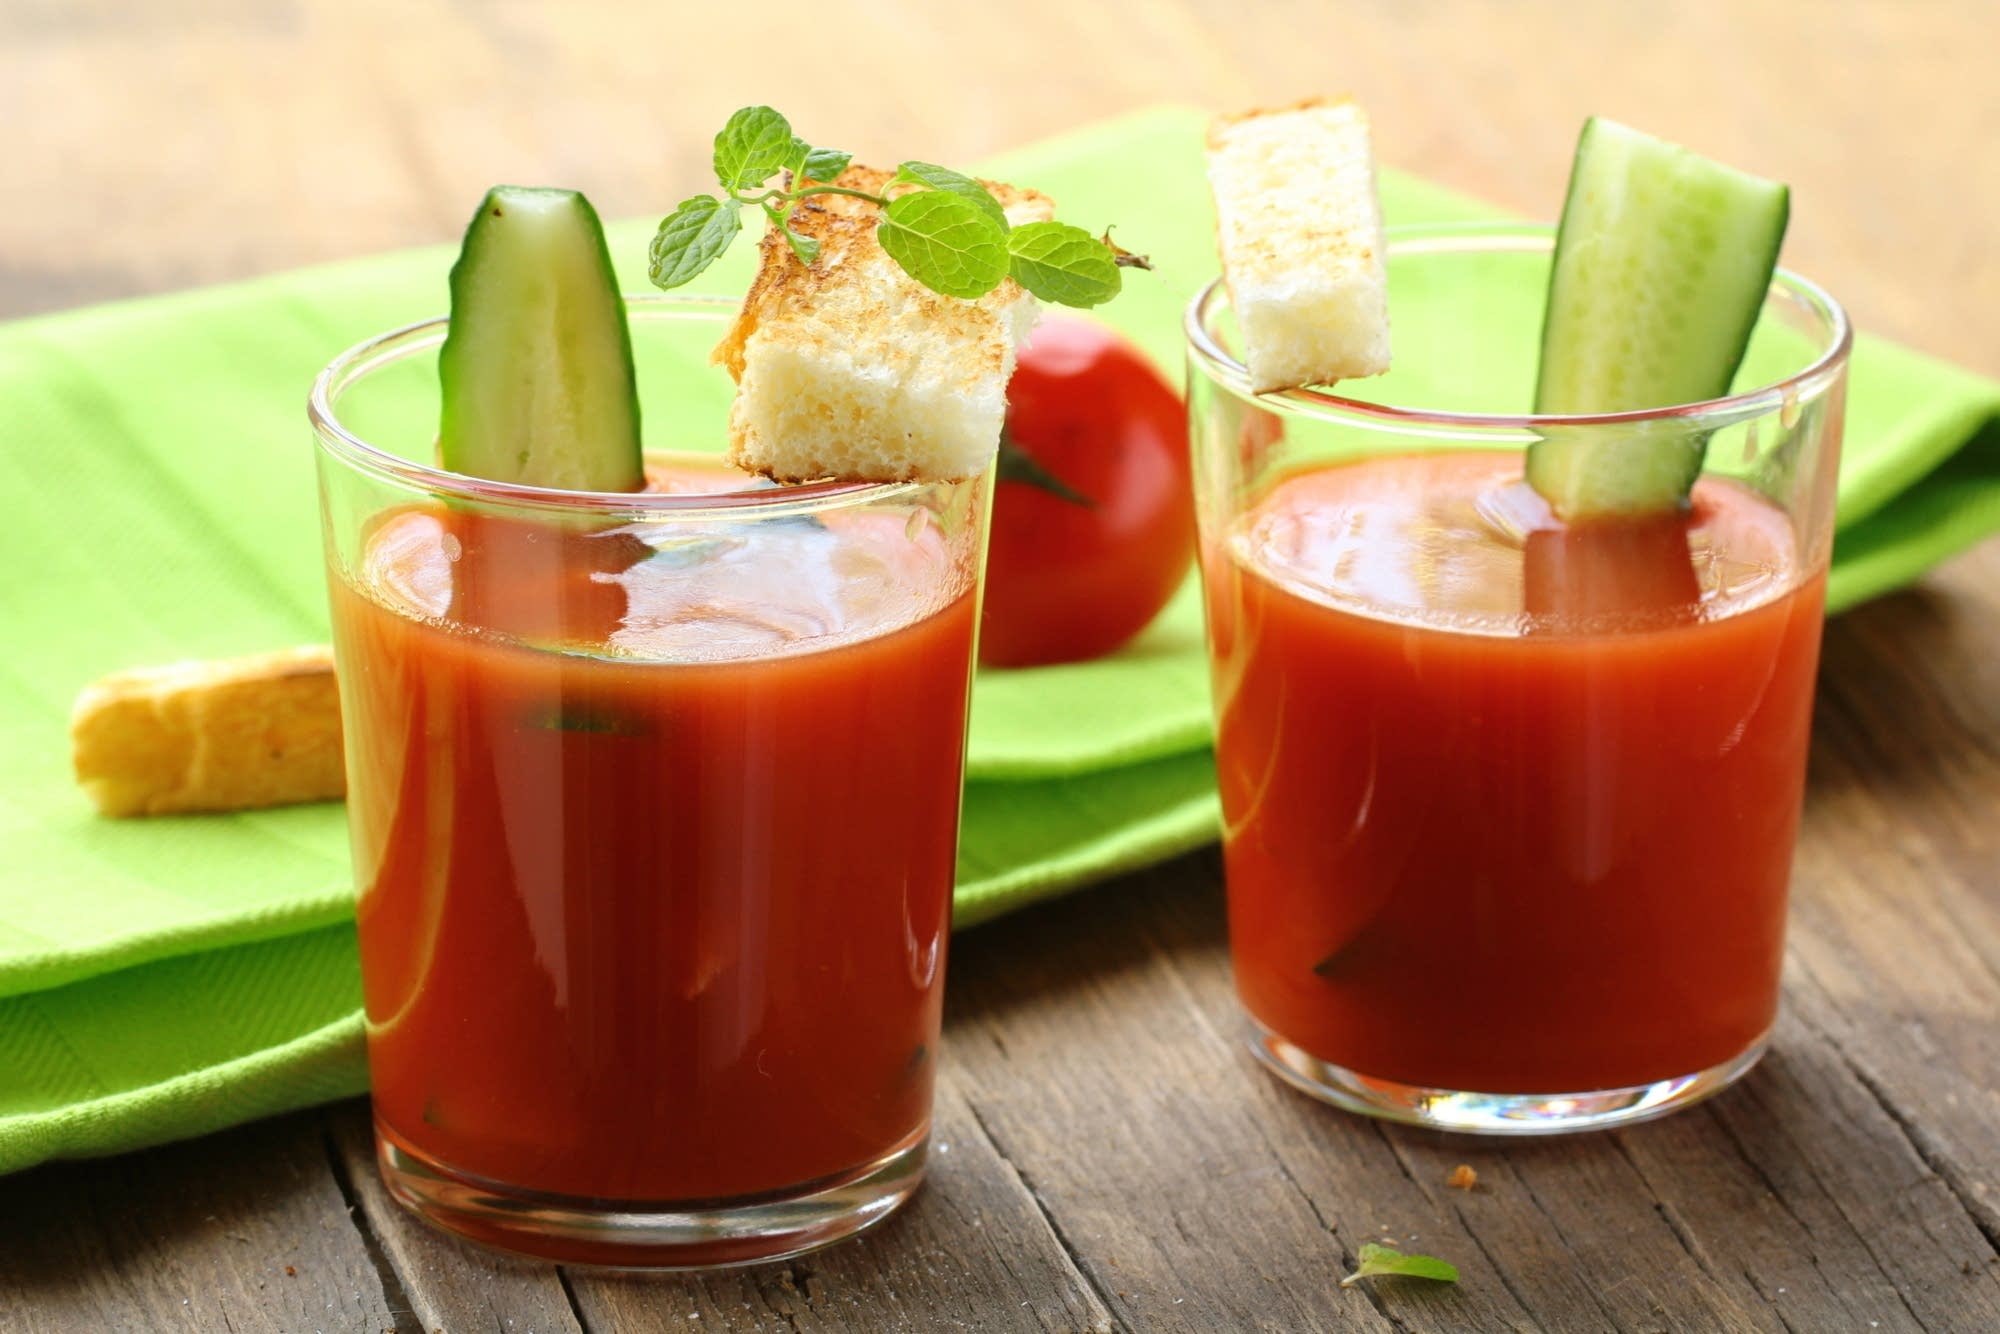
(536, 367)
(1661, 266)
(1590, 472)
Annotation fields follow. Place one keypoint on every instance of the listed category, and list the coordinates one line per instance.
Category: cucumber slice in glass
(1594, 472)
(1661, 266)
(536, 367)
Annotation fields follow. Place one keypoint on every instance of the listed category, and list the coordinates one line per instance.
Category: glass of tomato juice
(1509, 805)
(654, 802)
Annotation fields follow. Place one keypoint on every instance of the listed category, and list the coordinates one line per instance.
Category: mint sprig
(1377, 1259)
(941, 226)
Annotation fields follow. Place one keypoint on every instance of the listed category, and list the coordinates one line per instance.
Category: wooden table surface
(1107, 1155)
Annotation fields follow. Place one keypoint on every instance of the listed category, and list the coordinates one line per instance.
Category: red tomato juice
(1509, 808)
(663, 920)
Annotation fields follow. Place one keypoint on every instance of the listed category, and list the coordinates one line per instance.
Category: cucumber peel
(536, 367)
(1662, 263)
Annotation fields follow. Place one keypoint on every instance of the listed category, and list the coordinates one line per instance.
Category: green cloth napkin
(167, 977)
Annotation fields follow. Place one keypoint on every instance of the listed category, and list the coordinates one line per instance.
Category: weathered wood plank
(1643, 1274)
(1833, 1153)
(450, 1285)
(1759, 1213)
(1903, 849)
(1679, 1211)
(1197, 1193)
(1563, 1234)
(971, 1251)
(244, 1231)
(1850, 1181)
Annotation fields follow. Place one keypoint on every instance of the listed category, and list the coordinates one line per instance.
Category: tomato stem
(1018, 465)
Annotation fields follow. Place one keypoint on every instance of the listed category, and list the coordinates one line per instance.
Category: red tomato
(1067, 581)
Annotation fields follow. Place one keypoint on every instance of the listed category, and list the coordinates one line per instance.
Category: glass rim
(364, 358)
(1836, 341)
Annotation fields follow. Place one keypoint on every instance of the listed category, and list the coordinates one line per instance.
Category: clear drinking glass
(1509, 806)
(654, 802)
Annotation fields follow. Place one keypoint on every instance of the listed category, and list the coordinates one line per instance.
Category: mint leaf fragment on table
(1376, 1260)
(949, 232)
(1662, 262)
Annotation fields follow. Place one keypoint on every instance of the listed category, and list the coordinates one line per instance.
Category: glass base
(1494, 1113)
(657, 1235)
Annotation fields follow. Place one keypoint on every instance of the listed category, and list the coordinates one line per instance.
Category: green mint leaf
(1383, 1260)
(826, 164)
(1063, 264)
(946, 242)
(753, 147)
(805, 247)
(952, 182)
(691, 237)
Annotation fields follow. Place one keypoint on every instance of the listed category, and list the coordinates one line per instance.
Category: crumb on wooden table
(1462, 1177)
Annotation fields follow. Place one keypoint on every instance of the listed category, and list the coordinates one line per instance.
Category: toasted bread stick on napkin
(211, 736)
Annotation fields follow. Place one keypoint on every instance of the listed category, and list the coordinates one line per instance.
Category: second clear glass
(1509, 805)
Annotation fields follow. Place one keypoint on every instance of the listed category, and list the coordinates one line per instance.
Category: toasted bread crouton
(1300, 231)
(211, 736)
(851, 369)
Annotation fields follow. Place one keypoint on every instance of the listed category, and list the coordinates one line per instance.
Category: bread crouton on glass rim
(1299, 228)
(849, 368)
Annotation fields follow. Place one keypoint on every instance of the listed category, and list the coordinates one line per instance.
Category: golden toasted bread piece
(211, 736)
(1300, 230)
(851, 369)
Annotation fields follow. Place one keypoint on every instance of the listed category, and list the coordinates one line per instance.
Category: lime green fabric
(166, 977)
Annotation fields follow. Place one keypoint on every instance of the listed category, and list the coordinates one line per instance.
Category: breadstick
(211, 736)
